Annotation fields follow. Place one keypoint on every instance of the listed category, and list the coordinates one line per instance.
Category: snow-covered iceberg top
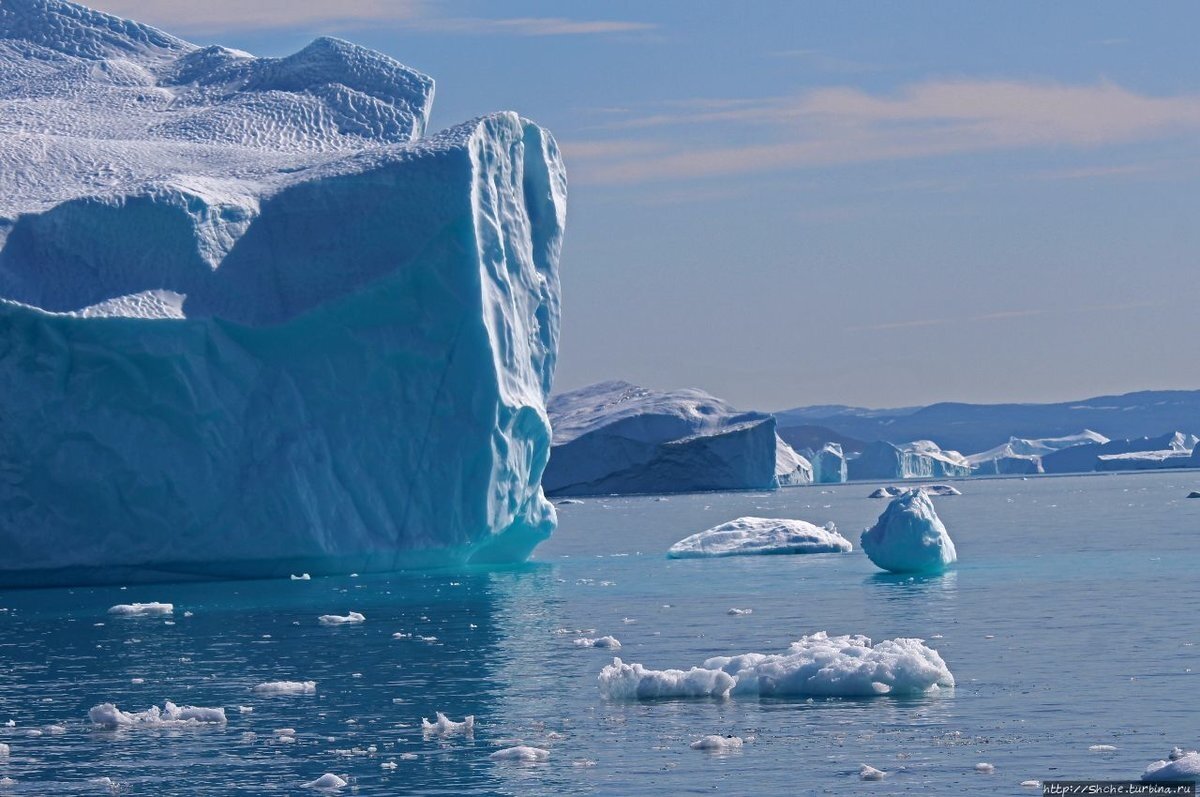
(756, 536)
(817, 665)
(1179, 766)
(616, 437)
(275, 328)
(909, 537)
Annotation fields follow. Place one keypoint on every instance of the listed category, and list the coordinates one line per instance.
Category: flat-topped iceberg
(909, 537)
(920, 459)
(756, 536)
(817, 665)
(616, 437)
(1130, 454)
(828, 464)
(254, 322)
(1024, 456)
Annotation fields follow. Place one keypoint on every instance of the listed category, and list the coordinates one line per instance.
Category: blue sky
(874, 203)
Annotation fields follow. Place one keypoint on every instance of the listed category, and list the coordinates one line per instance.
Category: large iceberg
(920, 459)
(909, 537)
(616, 437)
(1115, 454)
(252, 321)
(1024, 456)
(828, 464)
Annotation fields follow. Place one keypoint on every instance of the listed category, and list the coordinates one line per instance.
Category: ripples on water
(1070, 621)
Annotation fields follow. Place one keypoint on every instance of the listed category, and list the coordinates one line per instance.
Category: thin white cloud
(212, 16)
(844, 125)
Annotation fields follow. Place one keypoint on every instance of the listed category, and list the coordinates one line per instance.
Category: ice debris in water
(444, 726)
(600, 642)
(337, 619)
(886, 492)
(817, 665)
(521, 753)
(984, 768)
(1178, 766)
(4, 750)
(286, 688)
(718, 744)
(1031, 784)
(909, 537)
(1102, 748)
(739, 612)
(109, 716)
(327, 782)
(301, 577)
(141, 609)
(750, 536)
(868, 772)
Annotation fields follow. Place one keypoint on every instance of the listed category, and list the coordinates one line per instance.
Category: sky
(867, 203)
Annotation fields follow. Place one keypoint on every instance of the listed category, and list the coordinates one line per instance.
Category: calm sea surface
(1072, 620)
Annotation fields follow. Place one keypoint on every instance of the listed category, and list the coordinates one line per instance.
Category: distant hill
(970, 428)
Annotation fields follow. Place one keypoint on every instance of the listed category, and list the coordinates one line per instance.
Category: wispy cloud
(211, 16)
(845, 125)
(1004, 315)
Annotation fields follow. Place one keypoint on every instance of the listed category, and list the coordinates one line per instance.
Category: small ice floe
(1102, 748)
(1178, 766)
(600, 642)
(444, 726)
(388, 765)
(7, 782)
(1194, 494)
(401, 635)
(740, 612)
(939, 489)
(245, 709)
(408, 756)
(886, 492)
(105, 783)
(301, 577)
(522, 754)
(142, 609)
(718, 744)
(817, 665)
(1031, 784)
(628, 620)
(327, 782)
(984, 768)
(568, 502)
(337, 619)
(137, 681)
(286, 688)
(909, 537)
(54, 730)
(755, 536)
(868, 772)
(4, 750)
(33, 732)
(584, 762)
(107, 715)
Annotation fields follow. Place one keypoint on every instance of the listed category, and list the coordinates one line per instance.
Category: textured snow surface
(277, 330)
(817, 665)
(750, 536)
(616, 437)
(109, 716)
(327, 782)
(909, 537)
(444, 726)
(1180, 766)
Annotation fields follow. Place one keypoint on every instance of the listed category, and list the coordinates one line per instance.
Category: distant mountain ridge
(971, 428)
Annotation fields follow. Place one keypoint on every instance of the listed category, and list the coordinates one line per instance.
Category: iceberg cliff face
(251, 322)
(615, 437)
(921, 459)
(1166, 451)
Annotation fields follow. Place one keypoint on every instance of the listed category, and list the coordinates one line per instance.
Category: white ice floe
(909, 537)
(1102, 748)
(739, 612)
(984, 768)
(815, 666)
(444, 726)
(600, 642)
(748, 536)
(109, 716)
(142, 609)
(886, 492)
(718, 744)
(521, 753)
(939, 489)
(1179, 766)
(868, 772)
(1031, 784)
(301, 577)
(4, 750)
(286, 688)
(337, 619)
(327, 782)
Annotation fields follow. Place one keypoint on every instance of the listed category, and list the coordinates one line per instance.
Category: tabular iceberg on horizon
(252, 321)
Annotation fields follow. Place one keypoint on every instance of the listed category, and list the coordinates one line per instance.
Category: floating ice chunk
(301, 577)
(749, 536)
(1183, 767)
(388, 765)
(327, 782)
(568, 502)
(1031, 784)
(141, 609)
(886, 492)
(337, 619)
(4, 750)
(939, 489)
(740, 612)
(6, 781)
(984, 768)
(521, 753)
(600, 642)
(1102, 748)
(109, 716)
(1194, 493)
(54, 730)
(815, 666)
(868, 772)
(621, 681)
(408, 756)
(286, 688)
(718, 744)
(909, 537)
(1176, 754)
(444, 726)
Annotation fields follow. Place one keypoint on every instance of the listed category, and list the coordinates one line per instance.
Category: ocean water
(1070, 621)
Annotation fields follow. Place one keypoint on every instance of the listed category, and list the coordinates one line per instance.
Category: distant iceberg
(255, 321)
(909, 537)
(1130, 454)
(828, 464)
(920, 459)
(616, 437)
(754, 536)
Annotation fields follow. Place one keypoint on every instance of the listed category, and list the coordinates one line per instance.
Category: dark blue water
(1070, 621)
